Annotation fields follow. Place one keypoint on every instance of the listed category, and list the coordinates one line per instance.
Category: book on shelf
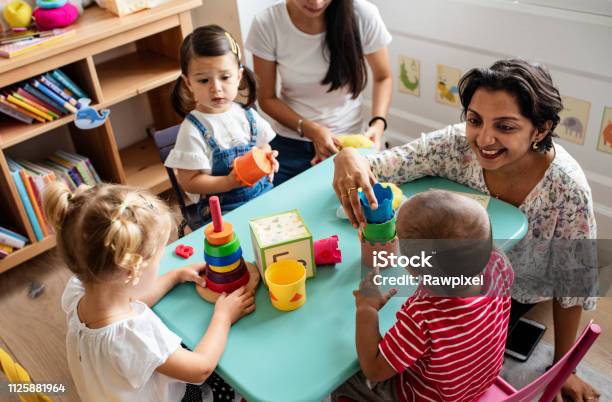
(17, 48)
(44, 98)
(15, 170)
(16, 109)
(12, 239)
(67, 83)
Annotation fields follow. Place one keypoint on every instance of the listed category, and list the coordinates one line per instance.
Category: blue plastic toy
(87, 117)
(384, 212)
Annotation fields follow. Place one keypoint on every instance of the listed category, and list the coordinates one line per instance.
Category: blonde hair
(106, 228)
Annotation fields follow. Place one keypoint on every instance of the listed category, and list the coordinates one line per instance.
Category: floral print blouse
(558, 209)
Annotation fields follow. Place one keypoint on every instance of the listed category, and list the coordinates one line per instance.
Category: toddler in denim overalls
(216, 129)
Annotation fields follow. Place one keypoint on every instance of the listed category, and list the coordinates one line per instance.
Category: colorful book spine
(51, 85)
(42, 111)
(42, 88)
(11, 238)
(25, 200)
(35, 92)
(79, 163)
(16, 114)
(71, 169)
(68, 83)
(6, 248)
(5, 102)
(40, 104)
(29, 108)
(30, 191)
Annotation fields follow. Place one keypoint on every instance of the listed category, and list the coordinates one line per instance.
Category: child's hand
(191, 273)
(275, 165)
(236, 305)
(233, 181)
(369, 296)
(375, 133)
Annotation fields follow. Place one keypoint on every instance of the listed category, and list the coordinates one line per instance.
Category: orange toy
(252, 166)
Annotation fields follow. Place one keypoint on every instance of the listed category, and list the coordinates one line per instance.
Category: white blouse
(118, 362)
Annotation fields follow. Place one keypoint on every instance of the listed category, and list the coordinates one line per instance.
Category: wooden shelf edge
(24, 254)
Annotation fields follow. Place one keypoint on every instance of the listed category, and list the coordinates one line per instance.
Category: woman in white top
(505, 148)
(320, 49)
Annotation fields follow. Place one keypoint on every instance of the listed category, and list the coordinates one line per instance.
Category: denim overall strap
(223, 160)
(210, 140)
(253, 126)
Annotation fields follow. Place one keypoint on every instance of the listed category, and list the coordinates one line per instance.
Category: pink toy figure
(326, 251)
(60, 17)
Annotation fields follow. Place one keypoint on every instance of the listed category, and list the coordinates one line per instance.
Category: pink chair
(549, 383)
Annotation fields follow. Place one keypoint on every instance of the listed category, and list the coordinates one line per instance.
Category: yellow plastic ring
(225, 268)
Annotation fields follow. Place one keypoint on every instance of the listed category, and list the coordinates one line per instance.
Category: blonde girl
(112, 237)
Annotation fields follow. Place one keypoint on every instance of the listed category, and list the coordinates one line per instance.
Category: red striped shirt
(451, 349)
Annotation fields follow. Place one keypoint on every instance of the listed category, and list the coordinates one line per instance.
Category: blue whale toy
(87, 117)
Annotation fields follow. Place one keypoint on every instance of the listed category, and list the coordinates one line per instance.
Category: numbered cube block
(282, 236)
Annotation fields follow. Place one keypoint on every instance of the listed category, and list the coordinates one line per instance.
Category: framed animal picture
(605, 133)
(447, 80)
(409, 76)
(574, 117)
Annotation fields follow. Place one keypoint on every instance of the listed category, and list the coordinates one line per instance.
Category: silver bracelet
(300, 127)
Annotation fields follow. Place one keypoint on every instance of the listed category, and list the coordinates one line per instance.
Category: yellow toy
(397, 195)
(355, 141)
(15, 373)
(18, 14)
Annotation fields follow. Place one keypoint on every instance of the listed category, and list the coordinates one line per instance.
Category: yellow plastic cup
(286, 282)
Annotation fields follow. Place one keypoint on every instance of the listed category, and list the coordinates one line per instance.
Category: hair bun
(56, 201)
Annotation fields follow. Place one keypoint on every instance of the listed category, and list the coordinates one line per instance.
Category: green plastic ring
(380, 231)
(223, 250)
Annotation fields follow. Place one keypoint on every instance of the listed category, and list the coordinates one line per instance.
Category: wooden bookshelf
(152, 69)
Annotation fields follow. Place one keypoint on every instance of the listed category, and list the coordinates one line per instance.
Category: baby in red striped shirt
(449, 338)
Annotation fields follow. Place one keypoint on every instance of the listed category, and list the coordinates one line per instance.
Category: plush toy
(355, 141)
(17, 14)
(52, 14)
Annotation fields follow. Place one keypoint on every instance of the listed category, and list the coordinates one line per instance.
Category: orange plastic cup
(252, 166)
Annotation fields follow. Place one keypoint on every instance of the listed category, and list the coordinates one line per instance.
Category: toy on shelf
(18, 14)
(326, 251)
(252, 166)
(379, 233)
(87, 117)
(50, 14)
(282, 236)
(286, 281)
(354, 141)
(225, 270)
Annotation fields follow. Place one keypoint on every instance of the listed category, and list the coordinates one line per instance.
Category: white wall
(473, 33)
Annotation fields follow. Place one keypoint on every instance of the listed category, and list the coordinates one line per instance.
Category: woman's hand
(191, 273)
(235, 305)
(325, 142)
(369, 295)
(352, 171)
(577, 390)
(375, 133)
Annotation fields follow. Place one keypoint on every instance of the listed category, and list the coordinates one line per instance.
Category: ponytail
(181, 99)
(249, 83)
(56, 202)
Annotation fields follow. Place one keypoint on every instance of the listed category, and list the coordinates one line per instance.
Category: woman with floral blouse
(505, 148)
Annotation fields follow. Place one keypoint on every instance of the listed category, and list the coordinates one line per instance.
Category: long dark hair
(538, 99)
(209, 41)
(346, 60)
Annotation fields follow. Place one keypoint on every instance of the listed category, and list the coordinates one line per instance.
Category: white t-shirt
(231, 128)
(118, 362)
(302, 64)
